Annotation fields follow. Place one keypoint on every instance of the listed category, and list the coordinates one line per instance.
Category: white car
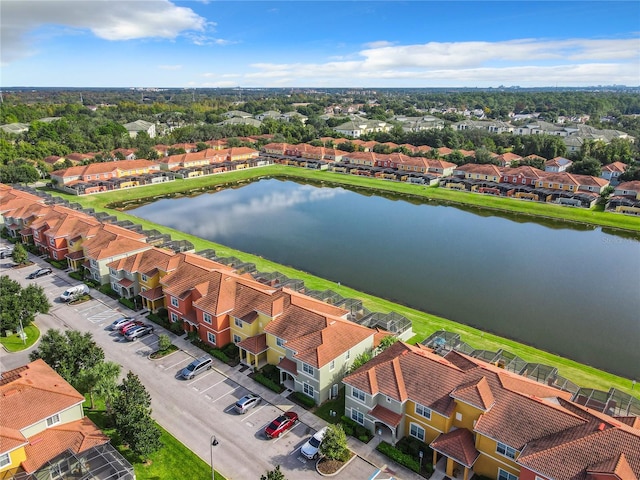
(311, 449)
(119, 322)
(72, 293)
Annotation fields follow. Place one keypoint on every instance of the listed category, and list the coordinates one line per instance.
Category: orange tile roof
(10, 439)
(41, 388)
(458, 445)
(256, 344)
(77, 436)
(386, 416)
(476, 393)
(104, 167)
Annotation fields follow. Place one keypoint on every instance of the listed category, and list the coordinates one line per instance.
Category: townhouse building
(612, 171)
(557, 164)
(46, 434)
(479, 418)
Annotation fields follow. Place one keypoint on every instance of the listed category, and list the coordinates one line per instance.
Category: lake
(574, 291)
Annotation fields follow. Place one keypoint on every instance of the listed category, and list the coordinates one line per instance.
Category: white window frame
(308, 389)
(174, 317)
(308, 369)
(504, 475)
(358, 394)
(52, 241)
(332, 365)
(206, 318)
(506, 451)
(418, 431)
(280, 342)
(53, 420)
(357, 416)
(237, 322)
(175, 302)
(211, 338)
(347, 355)
(237, 338)
(423, 411)
(5, 459)
(143, 277)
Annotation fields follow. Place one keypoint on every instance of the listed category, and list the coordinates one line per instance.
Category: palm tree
(100, 380)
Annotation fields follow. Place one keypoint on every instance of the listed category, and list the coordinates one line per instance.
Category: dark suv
(40, 273)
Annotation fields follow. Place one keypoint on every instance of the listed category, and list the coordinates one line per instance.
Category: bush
(76, 275)
(231, 350)
(176, 327)
(267, 382)
(348, 430)
(94, 284)
(364, 438)
(334, 444)
(399, 457)
(58, 264)
(305, 400)
(164, 342)
(127, 303)
(158, 320)
(412, 446)
(107, 290)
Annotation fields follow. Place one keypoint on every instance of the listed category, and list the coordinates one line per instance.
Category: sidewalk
(366, 451)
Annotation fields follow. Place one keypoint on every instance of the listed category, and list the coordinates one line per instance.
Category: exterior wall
(468, 413)
(433, 427)
(490, 460)
(526, 474)
(363, 407)
(275, 352)
(16, 456)
(99, 269)
(304, 377)
(71, 414)
(246, 330)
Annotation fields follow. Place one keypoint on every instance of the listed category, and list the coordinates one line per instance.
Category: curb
(353, 456)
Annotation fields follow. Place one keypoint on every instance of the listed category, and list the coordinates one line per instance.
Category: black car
(39, 273)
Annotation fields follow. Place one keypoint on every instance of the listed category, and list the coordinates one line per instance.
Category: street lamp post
(213, 442)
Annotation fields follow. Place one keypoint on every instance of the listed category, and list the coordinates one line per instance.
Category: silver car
(311, 449)
(196, 367)
(247, 402)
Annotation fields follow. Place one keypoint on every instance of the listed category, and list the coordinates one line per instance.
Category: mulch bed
(328, 467)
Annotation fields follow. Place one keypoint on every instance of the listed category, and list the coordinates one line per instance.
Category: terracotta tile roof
(256, 344)
(476, 393)
(618, 466)
(38, 386)
(633, 185)
(615, 167)
(77, 436)
(458, 445)
(10, 439)
(480, 169)
(153, 293)
(125, 282)
(105, 167)
(632, 421)
(288, 365)
(386, 416)
(145, 262)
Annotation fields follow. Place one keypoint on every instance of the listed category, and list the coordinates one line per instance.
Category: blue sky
(162, 43)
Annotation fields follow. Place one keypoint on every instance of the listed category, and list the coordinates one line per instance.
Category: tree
(386, 342)
(132, 415)
(17, 303)
(164, 342)
(100, 379)
(360, 360)
(69, 353)
(274, 474)
(20, 255)
(334, 443)
(588, 166)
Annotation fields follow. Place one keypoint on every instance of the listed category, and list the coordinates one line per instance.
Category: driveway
(192, 410)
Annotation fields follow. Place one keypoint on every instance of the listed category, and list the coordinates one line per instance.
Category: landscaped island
(423, 324)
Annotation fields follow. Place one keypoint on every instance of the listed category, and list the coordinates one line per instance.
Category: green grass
(173, 461)
(14, 343)
(337, 405)
(424, 324)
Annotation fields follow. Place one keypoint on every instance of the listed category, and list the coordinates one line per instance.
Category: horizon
(330, 44)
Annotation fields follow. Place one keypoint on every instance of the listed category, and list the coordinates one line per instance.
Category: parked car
(247, 402)
(72, 293)
(129, 325)
(311, 449)
(119, 322)
(40, 273)
(281, 424)
(138, 332)
(196, 367)
(6, 251)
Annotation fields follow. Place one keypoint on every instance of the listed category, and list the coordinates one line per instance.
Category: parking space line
(256, 410)
(91, 307)
(200, 378)
(230, 391)
(228, 409)
(217, 383)
(178, 363)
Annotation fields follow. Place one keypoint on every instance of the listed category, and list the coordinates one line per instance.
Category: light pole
(214, 442)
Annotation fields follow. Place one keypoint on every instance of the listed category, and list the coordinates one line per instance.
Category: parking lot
(192, 410)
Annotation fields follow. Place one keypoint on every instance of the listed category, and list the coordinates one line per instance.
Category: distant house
(15, 128)
(133, 128)
(558, 164)
(237, 113)
(359, 126)
(252, 122)
(613, 170)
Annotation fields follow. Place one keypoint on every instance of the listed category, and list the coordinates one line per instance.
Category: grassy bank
(423, 323)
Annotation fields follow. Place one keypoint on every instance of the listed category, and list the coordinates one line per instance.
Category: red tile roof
(386, 416)
(256, 344)
(288, 365)
(476, 393)
(458, 445)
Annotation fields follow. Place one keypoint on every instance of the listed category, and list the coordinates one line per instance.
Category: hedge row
(267, 382)
(398, 457)
(305, 400)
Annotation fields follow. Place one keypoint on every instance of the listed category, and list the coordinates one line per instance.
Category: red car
(281, 424)
(129, 325)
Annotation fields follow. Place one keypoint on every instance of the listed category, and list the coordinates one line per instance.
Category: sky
(366, 44)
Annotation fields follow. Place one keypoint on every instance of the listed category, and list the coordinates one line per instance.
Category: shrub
(305, 400)
(163, 313)
(334, 444)
(58, 264)
(76, 275)
(176, 327)
(164, 342)
(348, 430)
(267, 382)
(364, 438)
(399, 457)
(158, 320)
(127, 303)
(231, 350)
(94, 284)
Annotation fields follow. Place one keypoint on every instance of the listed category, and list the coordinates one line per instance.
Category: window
(279, 342)
(357, 416)
(347, 355)
(423, 411)
(504, 475)
(238, 323)
(206, 318)
(5, 460)
(174, 317)
(52, 241)
(143, 277)
(237, 338)
(506, 450)
(416, 431)
(308, 369)
(53, 420)
(113, 272)
(332, 365)
(174, 302)
(55, 255)
(211, 338)
(307, 389)
(458, 416)
(359, 394)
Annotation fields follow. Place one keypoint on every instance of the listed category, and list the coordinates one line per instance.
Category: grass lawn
(173, 461)
(14, 343)
(335, 405)
(424, 324)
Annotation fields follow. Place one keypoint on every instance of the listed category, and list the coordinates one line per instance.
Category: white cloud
(109, 20)
(170, 67)
(378, 44)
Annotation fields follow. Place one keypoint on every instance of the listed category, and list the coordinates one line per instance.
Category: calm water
(572, 292)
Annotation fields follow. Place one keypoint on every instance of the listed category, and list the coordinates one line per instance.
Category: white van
(74, 292)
